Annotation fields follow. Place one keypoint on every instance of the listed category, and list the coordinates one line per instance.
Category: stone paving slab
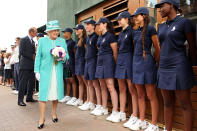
(16, 118)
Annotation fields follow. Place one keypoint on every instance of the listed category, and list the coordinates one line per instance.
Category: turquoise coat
(43, 65)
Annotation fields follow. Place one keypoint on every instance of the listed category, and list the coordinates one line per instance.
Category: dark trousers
(26, 82)
(16, 75)
(37, 85)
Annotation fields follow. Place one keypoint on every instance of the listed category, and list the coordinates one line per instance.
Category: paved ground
(15, 118)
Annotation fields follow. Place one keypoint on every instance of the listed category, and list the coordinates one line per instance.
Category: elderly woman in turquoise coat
(48, 72)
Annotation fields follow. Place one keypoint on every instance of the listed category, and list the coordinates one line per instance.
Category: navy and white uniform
(105, 63)
(144, 69)
(125, 54)
(80, 58)
(91, 57)
(175, 70)
(71, 62)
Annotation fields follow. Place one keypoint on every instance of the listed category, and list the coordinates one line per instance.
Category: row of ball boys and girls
(98, 60)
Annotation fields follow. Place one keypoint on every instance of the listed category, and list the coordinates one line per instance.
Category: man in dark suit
(26, 67)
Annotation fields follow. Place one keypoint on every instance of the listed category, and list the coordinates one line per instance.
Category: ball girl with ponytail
(107, 56)
(124, 69)
(144, 68)
(80, 62)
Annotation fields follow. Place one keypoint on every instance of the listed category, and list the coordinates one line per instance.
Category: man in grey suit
(26, 67)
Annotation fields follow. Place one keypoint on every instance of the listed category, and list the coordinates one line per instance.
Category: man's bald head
(33, 31)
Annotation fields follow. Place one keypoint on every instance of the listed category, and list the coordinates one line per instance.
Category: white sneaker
(101, 111)
(139, 125)
(91, 106)
(95, 109)
(114, 117)
(71, 101)
(152, 127)
(109, 118)
(15, 92)
(85, 105)
(132, 120)
(121, 116)
(78, 102)
(36, 94)
(65, 99)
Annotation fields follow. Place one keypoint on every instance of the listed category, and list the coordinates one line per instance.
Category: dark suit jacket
(26, 54)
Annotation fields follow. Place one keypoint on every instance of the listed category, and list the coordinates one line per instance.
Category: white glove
(38, 76)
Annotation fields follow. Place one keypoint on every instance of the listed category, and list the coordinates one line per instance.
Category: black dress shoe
(32, 100)
(21, 104)
(55, 120)
(41, 125)
(13, 88)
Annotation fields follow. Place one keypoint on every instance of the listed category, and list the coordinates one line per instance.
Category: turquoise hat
(52, 25)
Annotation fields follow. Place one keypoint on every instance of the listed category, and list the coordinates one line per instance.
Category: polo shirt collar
(173, 20)
(128, 27)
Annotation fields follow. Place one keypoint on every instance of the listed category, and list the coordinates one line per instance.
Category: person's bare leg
(7, 82)
(186, 105)
(68, 88)
(88, 93)
(54, 107)
(152, 96)
(74, 86)
(81, 87)
(104, 93)
(3, 82)
(91, 91)
(123, 96)
(169, 100)
(0, 80)
(87, 89)
(11, 82)
(98, 91)
(141, 100)
(113, 93)
(42, 112)
(133, 92)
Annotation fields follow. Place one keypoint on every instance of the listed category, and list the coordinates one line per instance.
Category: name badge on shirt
(125, 36)
(173, 29)
(103, 41)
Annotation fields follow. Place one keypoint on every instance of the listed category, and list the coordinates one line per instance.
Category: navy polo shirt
(80, 51)
(125, 40)
(104, 42)
(70, 47)
(172, 35)
(137, 37)
(91, 46)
